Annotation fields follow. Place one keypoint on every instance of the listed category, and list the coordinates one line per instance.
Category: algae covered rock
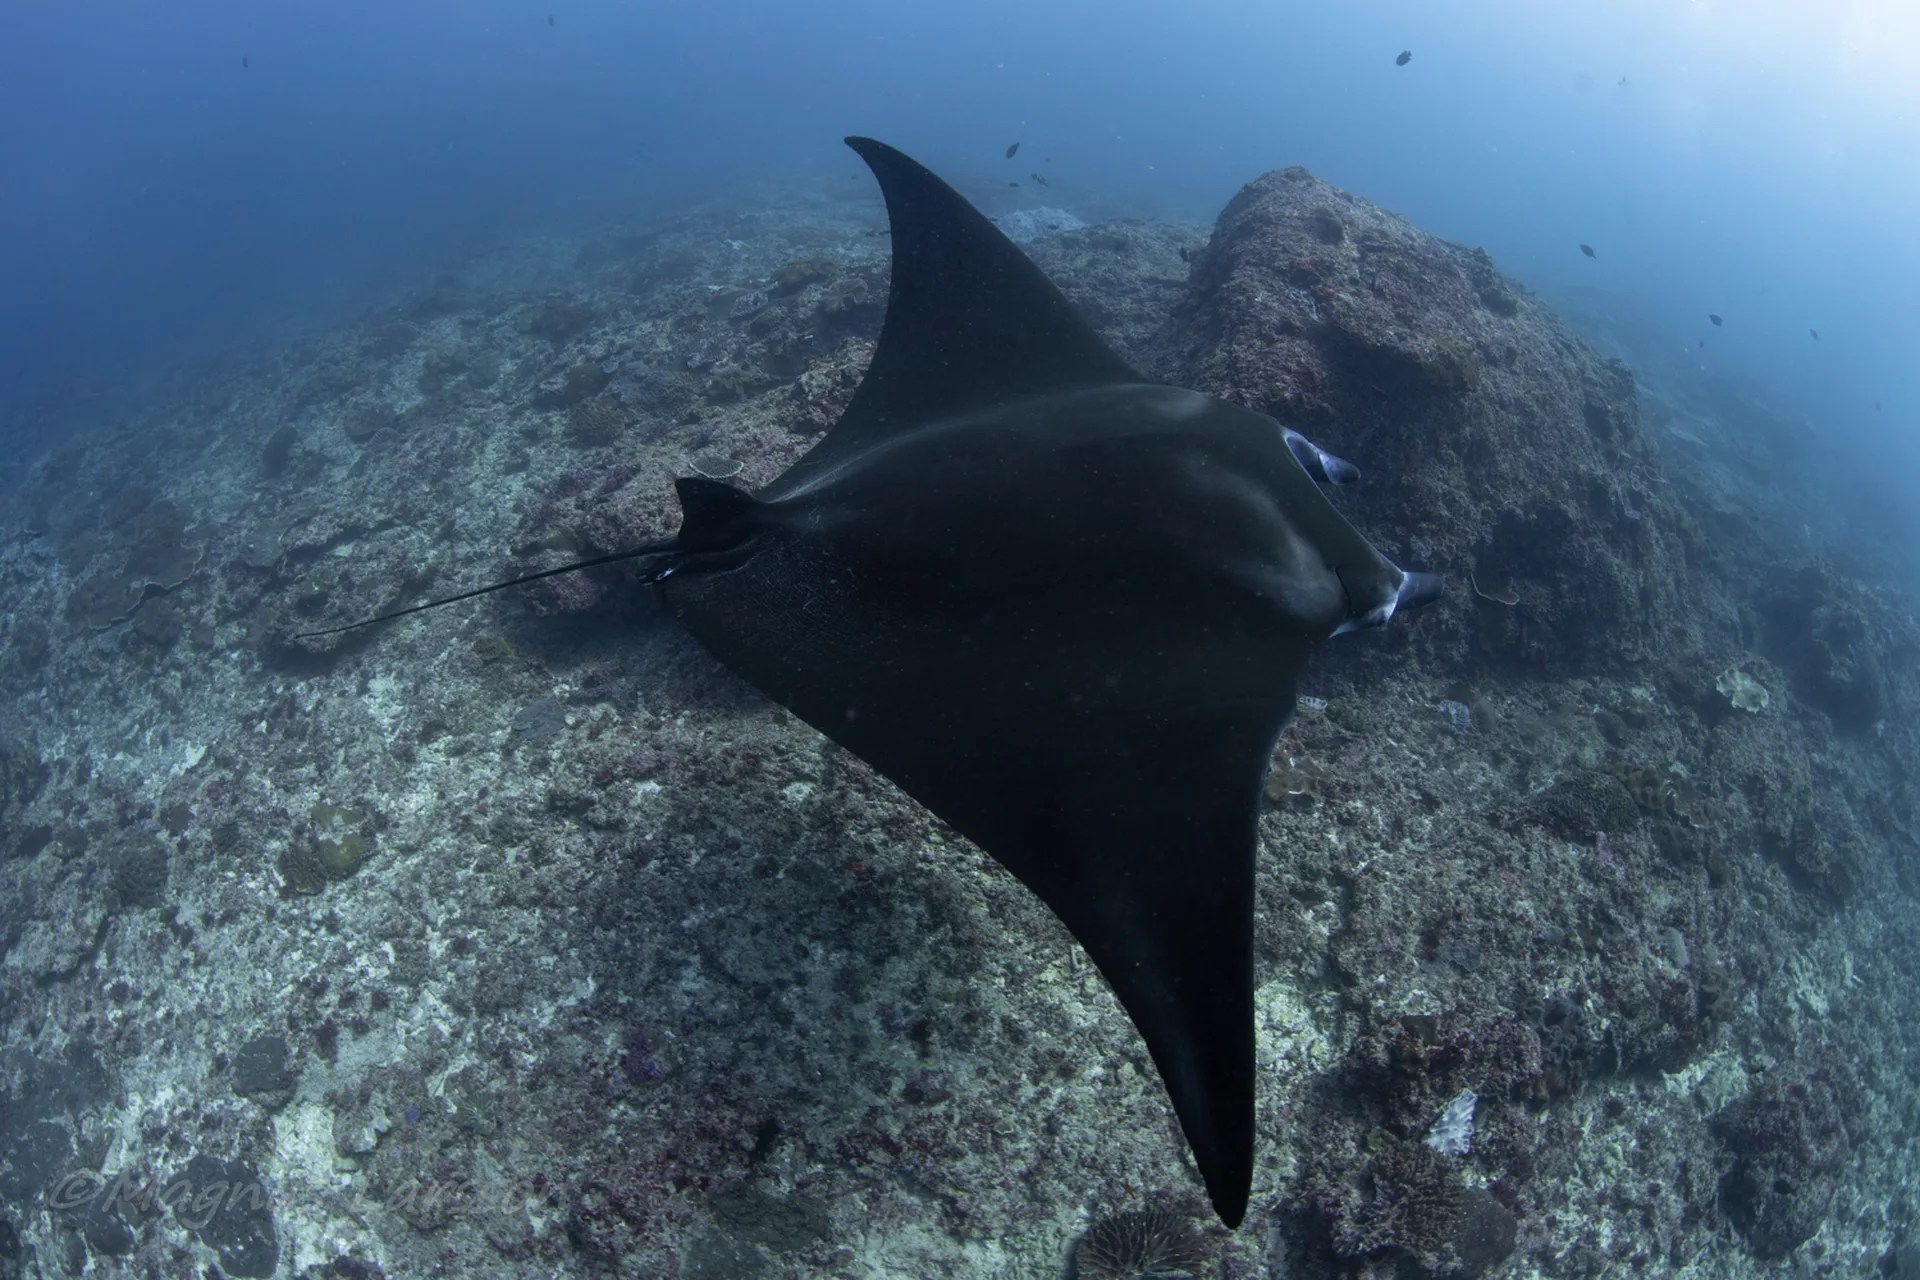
(368, 420)
(1586, 804)
(783, 1223)
(224, 1204)
(278, 451)
(581, 382)
(28, 646)
(263, 1071)
(339, 842)
(1790, 1148)
(559, 320)
(1501, 441)
(102, 600)
(595, 421)
(795, 276)
(334, 846)
(1413, 1207)
(137, 867)
(157, 551)
(160, 624)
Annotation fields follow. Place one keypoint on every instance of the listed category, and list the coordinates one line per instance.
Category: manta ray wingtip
(1418, 589)
(1411, 591)
(1325, 467)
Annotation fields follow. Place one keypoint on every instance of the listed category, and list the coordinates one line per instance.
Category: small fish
(1406, 56)
(1037, 178)
(1185, 256)
(1815, 333)
(1588, 250)
(1703, 342)
(1876, 404)
(549, 19)
(1623, 80)
(244, 64)
(1012, 149)
(1013, 184)
(1717, 322)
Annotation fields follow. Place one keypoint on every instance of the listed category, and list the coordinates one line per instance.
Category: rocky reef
(522, 940)
(1495, 441)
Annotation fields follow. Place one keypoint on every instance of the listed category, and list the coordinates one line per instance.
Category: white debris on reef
(1452, 1133)
(1742, 690)
(1024, 225)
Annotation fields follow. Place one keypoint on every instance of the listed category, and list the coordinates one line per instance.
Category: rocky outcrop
(1496, 446)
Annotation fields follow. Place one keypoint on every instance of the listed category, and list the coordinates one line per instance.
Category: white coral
(1452, 1133)
(1743, 691)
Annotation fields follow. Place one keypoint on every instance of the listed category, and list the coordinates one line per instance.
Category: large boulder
(1496, 446)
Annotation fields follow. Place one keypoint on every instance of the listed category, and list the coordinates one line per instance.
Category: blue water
(162, 201)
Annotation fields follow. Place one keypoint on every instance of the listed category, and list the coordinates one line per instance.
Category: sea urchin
(1153, 1244)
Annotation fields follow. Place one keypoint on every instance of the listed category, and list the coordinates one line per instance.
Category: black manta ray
(1063, 608)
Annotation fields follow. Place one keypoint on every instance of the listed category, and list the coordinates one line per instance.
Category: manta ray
(1063, 607)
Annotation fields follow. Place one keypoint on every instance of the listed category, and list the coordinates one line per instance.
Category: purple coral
(637, 1063)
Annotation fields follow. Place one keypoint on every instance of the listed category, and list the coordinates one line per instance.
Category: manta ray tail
(719, 522)
(668, 556)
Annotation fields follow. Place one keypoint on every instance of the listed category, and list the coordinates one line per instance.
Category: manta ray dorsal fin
(971, 321)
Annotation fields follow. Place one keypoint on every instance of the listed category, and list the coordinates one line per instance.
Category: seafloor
(522, 940)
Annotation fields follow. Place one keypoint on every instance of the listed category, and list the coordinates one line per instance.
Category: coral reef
(521, 940)
(367, 420)
(1414, 1206)
(332, 847)
(795, 276)
(559, 320)
(1504, 445)
(155, 550)
(1789, 1147)
(1822, 628)
(595, 421)
(1586, 805)
(278, 449)
(580, 383)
